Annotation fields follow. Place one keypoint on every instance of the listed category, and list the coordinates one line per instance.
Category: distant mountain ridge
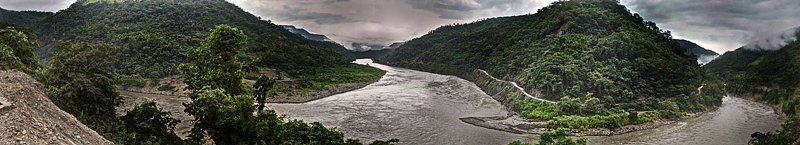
(24, 18)
(703, 55)
(306, 34)
(361, 47)
(733, 64)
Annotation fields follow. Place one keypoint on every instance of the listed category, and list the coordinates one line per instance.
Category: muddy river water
(424, 108)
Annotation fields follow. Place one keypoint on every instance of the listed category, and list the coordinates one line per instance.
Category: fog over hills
(361, 47)
(703, 55)
(354, 46)
(775, 41)
(306, 34)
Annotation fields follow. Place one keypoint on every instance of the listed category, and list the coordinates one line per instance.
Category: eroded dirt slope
(35, 119)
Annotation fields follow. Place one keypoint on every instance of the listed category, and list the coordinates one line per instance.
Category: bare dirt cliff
(29, 117)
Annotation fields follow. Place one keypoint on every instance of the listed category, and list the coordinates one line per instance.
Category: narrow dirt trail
(517, 86)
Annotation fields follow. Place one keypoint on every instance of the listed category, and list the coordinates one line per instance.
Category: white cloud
(36, 5)
(719, 25)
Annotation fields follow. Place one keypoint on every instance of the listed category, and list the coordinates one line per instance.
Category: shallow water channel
(424, 108)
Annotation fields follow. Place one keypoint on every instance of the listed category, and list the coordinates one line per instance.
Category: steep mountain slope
(693, 48)
(703, 55)
(579, 48)
(777, 49)
(767, 70)
(305, 34)
(150, 35)
(34, 119)
(24, 18)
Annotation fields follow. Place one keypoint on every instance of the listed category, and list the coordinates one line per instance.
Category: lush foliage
(557, 137)
(17, 44)
(597, 55)
(147, 124)
(227, 117)
(569, 48)
(215, 65)
(24, 18)
(769, 76)
(80, 82)
(151, 35)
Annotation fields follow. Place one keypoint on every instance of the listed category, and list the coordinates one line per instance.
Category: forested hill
(767, 72)
(766, 65)
(578, 48)
(693, 48)
(150, 35)
(24, 18)
(703, 55)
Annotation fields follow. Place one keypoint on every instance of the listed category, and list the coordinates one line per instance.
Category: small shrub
(167, 87)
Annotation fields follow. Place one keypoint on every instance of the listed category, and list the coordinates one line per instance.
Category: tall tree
(16, 48)
(221, 108)
(215, 64)
(81, 83)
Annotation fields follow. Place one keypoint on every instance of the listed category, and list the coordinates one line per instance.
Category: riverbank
(507, 93)
(521, 125)
(302, 96)
(288, 96)
(775, 107)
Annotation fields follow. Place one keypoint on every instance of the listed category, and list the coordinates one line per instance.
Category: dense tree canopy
(17, 44)
(215, 64)
(148, 124)
(570, 48)
(601, 61)
(151, 34)
(80, 82)
(23, 18)
(227, 117)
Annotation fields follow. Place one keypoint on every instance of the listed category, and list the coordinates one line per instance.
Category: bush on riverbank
(576, 114)
(557, 137)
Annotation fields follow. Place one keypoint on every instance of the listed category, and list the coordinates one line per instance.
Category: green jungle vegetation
(767, 76)
(80, 81)
(608, 67)
(557, 137)
(151, 35)
(16, 49)
(23, 18)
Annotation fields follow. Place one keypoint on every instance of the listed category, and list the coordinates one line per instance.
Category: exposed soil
(34, 119)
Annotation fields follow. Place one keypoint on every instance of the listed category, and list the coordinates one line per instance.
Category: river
(424, 108)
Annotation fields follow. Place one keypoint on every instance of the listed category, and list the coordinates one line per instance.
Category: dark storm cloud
(290, 14)
(722, 24)
(381, 21)
(36, 5)
(474, 9)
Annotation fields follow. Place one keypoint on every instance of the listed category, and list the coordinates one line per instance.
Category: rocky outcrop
(34, 119)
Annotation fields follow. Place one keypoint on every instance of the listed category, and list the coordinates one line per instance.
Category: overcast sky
(719, 25)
